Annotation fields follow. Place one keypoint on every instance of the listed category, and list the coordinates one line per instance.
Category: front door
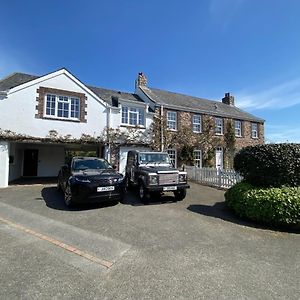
(219, 158)
(30, 162)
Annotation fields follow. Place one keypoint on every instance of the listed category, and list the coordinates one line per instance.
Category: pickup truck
(153, 174)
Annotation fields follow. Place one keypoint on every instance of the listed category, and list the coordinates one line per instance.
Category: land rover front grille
(169, 178)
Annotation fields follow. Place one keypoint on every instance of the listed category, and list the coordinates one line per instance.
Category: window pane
(124, 115)
(75, 108)
(50, 105)
(141, 116)
(171, 120)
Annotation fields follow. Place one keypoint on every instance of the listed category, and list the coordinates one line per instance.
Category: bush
(273, 206)
(271, 165)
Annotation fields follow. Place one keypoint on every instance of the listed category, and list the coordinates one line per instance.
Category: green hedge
(272, 165)
(272, 206)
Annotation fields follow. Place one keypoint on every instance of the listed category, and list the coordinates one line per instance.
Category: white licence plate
(169, 188)
(105, 188)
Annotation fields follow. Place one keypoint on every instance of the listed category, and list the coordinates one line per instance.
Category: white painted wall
(15, 168)
(17, 111)
(4, 163)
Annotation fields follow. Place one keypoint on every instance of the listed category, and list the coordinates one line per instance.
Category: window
(219, 126)
(172, 154)
(254, 130)
(172, 120)
(133, 116)
(62, 107)
(197, 123)
(198, 158)
(238, 128)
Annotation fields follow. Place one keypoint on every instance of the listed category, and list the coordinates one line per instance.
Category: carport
(38, 159)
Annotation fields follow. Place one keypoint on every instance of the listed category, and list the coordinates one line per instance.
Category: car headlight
(153, 180)
(82, 179)
(182, 177)
(119, 180)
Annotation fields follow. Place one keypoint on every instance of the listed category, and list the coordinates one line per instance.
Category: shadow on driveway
(221, 211)
(55, 199)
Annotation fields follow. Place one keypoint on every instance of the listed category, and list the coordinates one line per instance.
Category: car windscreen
(154, 158)
(93, 164)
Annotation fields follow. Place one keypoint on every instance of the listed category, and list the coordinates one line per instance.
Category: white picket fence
(213, 177)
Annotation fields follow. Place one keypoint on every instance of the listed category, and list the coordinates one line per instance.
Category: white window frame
(197, 124)
(238, 129)
(198, 158)
(254, 131)
(172, 120)
(131, 113)
(219, 126)
(64, 100)
(173, 156)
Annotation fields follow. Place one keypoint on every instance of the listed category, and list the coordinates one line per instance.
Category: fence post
(219, 177)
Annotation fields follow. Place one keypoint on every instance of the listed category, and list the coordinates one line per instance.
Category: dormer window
(62, 107)
(133, 116)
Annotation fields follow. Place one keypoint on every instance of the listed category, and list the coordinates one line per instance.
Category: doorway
(219, 158)
(30, 165)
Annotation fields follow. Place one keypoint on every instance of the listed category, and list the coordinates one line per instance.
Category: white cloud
(284, 95)
(282, 134)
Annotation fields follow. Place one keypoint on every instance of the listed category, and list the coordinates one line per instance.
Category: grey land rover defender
(153, 174)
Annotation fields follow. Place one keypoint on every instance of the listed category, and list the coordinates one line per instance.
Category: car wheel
(58, 187)
(68, 196)
(180, 195)
(143, 195)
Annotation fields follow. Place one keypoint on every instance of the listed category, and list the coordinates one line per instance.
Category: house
(200, 131)
(44, 119)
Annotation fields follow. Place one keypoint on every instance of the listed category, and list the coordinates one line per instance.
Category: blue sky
(250, 48)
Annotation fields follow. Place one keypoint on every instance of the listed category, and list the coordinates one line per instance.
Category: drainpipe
(108, 121)
(161, 129)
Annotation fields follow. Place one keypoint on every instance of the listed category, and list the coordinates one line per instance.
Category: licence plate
(105, 188)
(169, 188)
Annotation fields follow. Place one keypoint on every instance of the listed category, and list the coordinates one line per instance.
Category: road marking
(105, 263)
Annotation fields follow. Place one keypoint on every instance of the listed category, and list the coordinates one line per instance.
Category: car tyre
(68, 196)
(143, 194)
(180, 195)
(58, 187)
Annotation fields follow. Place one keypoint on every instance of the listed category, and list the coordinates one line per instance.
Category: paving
(193, 249)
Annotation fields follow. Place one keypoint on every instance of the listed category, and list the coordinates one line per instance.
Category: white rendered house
(43, 117)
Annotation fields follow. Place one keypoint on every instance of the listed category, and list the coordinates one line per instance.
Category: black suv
(90, 179)
(153, 174)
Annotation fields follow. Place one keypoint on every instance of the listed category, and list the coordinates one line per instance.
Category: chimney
(141, 80)
(229, 100)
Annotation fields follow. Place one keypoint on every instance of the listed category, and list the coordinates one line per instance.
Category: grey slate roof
(108, 95)
(189, 103)
(14, 80)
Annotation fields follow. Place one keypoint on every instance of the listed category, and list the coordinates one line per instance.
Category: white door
(219, 158)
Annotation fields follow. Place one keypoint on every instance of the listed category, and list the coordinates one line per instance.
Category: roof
(14, 80)
(107, 95)
(189, 103)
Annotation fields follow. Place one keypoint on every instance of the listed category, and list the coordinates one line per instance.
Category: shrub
(273, 206)
(271, 165)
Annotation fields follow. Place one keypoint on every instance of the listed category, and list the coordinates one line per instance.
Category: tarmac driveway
(194, 249)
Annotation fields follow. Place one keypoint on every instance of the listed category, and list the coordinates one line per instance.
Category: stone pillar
(4, 163)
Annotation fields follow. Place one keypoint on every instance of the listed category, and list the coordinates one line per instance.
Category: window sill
(197, 131)
(219, 134)
(133, 126)
(169, 129)
(61, 119)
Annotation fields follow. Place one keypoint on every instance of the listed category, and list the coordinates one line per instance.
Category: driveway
(194, 249)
